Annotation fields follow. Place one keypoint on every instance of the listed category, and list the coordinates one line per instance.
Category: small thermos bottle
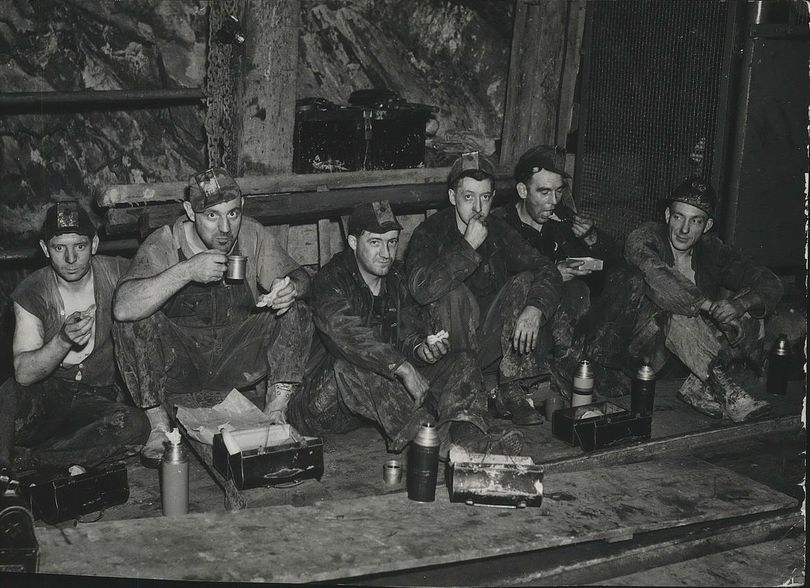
(779, 366)
(642, 392)
(583, 384)
(174, 477)
(423, 464)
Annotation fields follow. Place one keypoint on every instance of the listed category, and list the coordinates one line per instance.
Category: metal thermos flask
(583, 384)
(174, 478)
(423, 464)
(642, 392)
(779, 367)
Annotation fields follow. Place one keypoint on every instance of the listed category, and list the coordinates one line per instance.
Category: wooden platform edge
(656, 447)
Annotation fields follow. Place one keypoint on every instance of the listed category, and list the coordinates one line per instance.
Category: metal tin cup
(392, 472)
(236, 267)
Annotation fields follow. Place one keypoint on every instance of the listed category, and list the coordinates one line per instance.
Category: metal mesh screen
(652, 91)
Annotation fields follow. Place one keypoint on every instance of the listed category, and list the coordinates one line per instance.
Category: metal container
(642, 392)
(236, 267)
(174, 480)
(392, 472)
(779, 367)
(423, 464)
(583, 384)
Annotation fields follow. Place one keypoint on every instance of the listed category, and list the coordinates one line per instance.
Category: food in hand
(270, 297)
(440, 336)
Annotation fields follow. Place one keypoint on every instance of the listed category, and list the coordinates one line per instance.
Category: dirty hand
(476, 232)
(433, 349)
(527, 329)
(78, 327)
(569, 269)
(581, 226)
(208, 266)
(282, 295)
(415, 383)
(725, 311)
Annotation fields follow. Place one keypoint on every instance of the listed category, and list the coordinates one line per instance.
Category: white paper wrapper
(235, 412)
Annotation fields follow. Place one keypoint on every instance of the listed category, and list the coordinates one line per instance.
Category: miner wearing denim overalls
(378, 363)
(686, 293)
(497, 296)
(64, 405)
(185, 335)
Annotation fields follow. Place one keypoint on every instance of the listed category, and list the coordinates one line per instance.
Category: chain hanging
(221, 83)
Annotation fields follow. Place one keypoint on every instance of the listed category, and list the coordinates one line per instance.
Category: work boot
(699, 396)
(502, 440)
(276, 399)
(736, 402)
(511, 401)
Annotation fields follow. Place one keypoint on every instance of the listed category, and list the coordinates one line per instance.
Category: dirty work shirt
(630, 323)
(474, 294)
(557, 241)
(73, 415)
(210, 338)
(350, 378)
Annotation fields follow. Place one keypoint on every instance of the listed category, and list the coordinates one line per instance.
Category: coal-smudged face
(218, 226)
(471, 198)
(686, 224)
(542, 193)
(375, 252)
(70, 255)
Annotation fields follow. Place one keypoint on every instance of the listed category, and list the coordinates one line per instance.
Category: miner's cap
(211, 187)
(697, 192)
(67, 217)
(541, 157)
(471, 165)
(374, 217)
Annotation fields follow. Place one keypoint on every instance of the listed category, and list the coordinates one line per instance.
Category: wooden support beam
(266, 95)
(120, 194)
(545, 47)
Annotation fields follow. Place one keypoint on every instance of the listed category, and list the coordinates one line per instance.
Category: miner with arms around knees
(378, 363)
(185, 336)
(64, 405)
(686, 293)
(548, 224)
(498, 297)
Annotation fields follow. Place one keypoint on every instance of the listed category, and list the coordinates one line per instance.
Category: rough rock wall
(76, 45)
(452, 54)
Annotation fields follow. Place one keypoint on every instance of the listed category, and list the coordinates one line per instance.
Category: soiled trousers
(626, 329)
(162, 362)
(337, 397)
(490, 339)
(66, 423)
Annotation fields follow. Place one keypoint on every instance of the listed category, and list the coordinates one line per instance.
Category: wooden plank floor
(345, 538)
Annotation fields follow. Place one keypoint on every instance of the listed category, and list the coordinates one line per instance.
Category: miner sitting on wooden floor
(62, 407)
(497, 296)
(187, 336)
(690, 294)
(380, 364)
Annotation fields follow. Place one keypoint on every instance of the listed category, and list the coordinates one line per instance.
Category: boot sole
(717, 415)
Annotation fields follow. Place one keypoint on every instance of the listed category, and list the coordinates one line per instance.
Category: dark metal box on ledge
(388, 134)
(272, 464)
(599, 425)
(19, 548)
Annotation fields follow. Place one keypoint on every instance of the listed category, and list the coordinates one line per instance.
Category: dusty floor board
(344, 538)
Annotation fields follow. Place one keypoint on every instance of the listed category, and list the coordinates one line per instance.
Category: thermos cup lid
(427, 436)
(645, 372)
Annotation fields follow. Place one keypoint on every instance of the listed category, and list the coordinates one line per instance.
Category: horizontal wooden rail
(276, 184)
(299, 207)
